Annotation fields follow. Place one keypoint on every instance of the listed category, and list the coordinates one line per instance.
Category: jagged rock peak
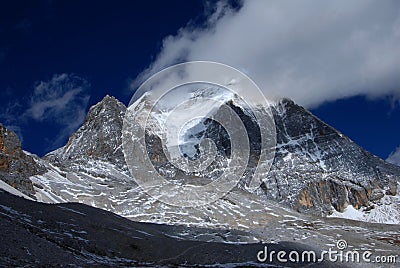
(98, 138)
(108, 104)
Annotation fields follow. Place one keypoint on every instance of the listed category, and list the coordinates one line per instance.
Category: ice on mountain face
(196, 94)
(194, 97)
(181, 116)
(190, 137)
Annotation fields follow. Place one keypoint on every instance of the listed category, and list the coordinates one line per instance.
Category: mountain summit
(100, 136)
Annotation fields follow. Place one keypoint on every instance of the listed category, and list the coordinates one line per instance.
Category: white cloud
(62, 100)
(394, 157)
(310, 51)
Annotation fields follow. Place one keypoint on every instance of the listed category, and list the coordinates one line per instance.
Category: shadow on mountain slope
(79, 235)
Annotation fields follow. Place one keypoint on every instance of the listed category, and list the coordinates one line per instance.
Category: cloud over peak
(310, 51)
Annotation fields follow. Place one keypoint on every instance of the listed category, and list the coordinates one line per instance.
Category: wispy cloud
(62, 100)
(58, 99)
(310, 51)
(394, 157)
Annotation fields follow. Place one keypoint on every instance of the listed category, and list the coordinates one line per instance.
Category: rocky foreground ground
(72, 235)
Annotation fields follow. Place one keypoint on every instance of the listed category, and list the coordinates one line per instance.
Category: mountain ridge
(321, 187)
(304, 177)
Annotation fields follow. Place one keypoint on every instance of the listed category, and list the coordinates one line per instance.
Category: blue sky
(341, 60)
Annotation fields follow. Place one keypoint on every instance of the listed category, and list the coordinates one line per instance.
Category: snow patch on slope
(386, 210)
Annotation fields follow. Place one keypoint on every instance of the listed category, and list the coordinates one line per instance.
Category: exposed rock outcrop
(99, 138)
(15, 165)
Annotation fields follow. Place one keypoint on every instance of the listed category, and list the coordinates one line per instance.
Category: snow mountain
(316, 170)
(321, 185)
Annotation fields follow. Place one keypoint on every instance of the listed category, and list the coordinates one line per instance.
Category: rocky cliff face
(317, 168)
(16, 166)
(99, 138)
